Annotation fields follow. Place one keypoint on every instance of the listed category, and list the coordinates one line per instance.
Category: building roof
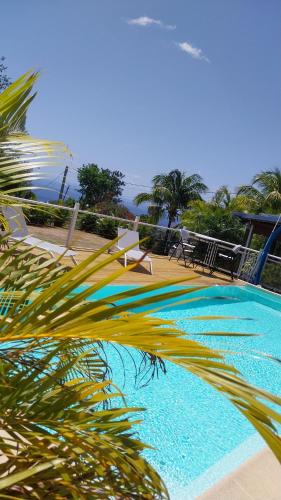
(263, 218)
(262, 223)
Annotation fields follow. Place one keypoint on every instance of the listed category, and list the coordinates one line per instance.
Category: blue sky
(149, 86)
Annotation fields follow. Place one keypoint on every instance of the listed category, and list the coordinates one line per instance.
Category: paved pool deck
(259, 478)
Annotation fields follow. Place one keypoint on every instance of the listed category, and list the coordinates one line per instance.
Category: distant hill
(51, 193)
(133, 208)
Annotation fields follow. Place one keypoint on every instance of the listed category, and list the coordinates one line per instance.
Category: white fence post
(245, 254)
(136, 223)
(72, 224)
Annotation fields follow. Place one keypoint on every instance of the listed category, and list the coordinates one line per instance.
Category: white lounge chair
(127, 238)
(19, 232)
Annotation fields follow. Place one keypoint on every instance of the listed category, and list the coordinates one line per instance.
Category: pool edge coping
(246, 479)
(221, 470)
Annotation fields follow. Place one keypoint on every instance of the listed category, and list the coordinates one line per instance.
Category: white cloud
(144, 21)
(149, 21)
(192, 51)
(170, 27)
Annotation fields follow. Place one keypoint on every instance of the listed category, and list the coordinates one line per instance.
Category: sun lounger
(127, 238)
(19, 232)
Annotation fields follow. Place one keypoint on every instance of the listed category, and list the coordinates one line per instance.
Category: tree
(233, 202)
(99, 185)
(172, 193)
(60, 438)
(4, 79)
(215, 218)
(265, 191)
(114, 209)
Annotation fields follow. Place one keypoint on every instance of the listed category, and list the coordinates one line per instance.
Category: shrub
(48, 216)
(39, 217)
(88, 223)
(103, 226)
(97, 225)
(107, 228)
(156, 238)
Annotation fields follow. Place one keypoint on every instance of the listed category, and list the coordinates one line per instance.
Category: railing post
(72, 224)
(136, 223)
(244, 255)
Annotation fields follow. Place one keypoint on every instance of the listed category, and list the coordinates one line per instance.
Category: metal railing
(165, 237)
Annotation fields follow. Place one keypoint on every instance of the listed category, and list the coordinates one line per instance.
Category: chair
(200, 254)
(227, 258)
(186, 248)
(127, 238)
(19, 232)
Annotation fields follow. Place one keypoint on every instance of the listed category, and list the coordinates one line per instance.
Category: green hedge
(271, 276)
(100, 226)
(47, 216)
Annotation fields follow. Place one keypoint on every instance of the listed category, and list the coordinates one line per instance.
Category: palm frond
(21, 154)
(54, 316)
(142, 198)
(55, 429)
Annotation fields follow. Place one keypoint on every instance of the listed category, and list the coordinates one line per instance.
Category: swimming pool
(199, 437)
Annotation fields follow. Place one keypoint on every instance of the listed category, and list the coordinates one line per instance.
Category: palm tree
(171, 193)
(265, 190)
(59, 437)
(232, 202)
(214, 218)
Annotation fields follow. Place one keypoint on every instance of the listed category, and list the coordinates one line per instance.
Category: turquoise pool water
(198, 435)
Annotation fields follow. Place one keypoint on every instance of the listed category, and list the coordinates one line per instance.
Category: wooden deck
(163, 268)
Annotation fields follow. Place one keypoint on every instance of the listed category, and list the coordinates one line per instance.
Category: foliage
(215, 218)
(265, 191)
(42, 216)
(104, 226)
(100, 226)
(21, 154)
(239, 202)
(4, 83)
(47, 217)
(19, 269)
(99, 184)
(28, 194)
(4, 79)
(68, 202)
(171, 193)
(271, 276)
(155, 238)
(259, 241)
(113, 208)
